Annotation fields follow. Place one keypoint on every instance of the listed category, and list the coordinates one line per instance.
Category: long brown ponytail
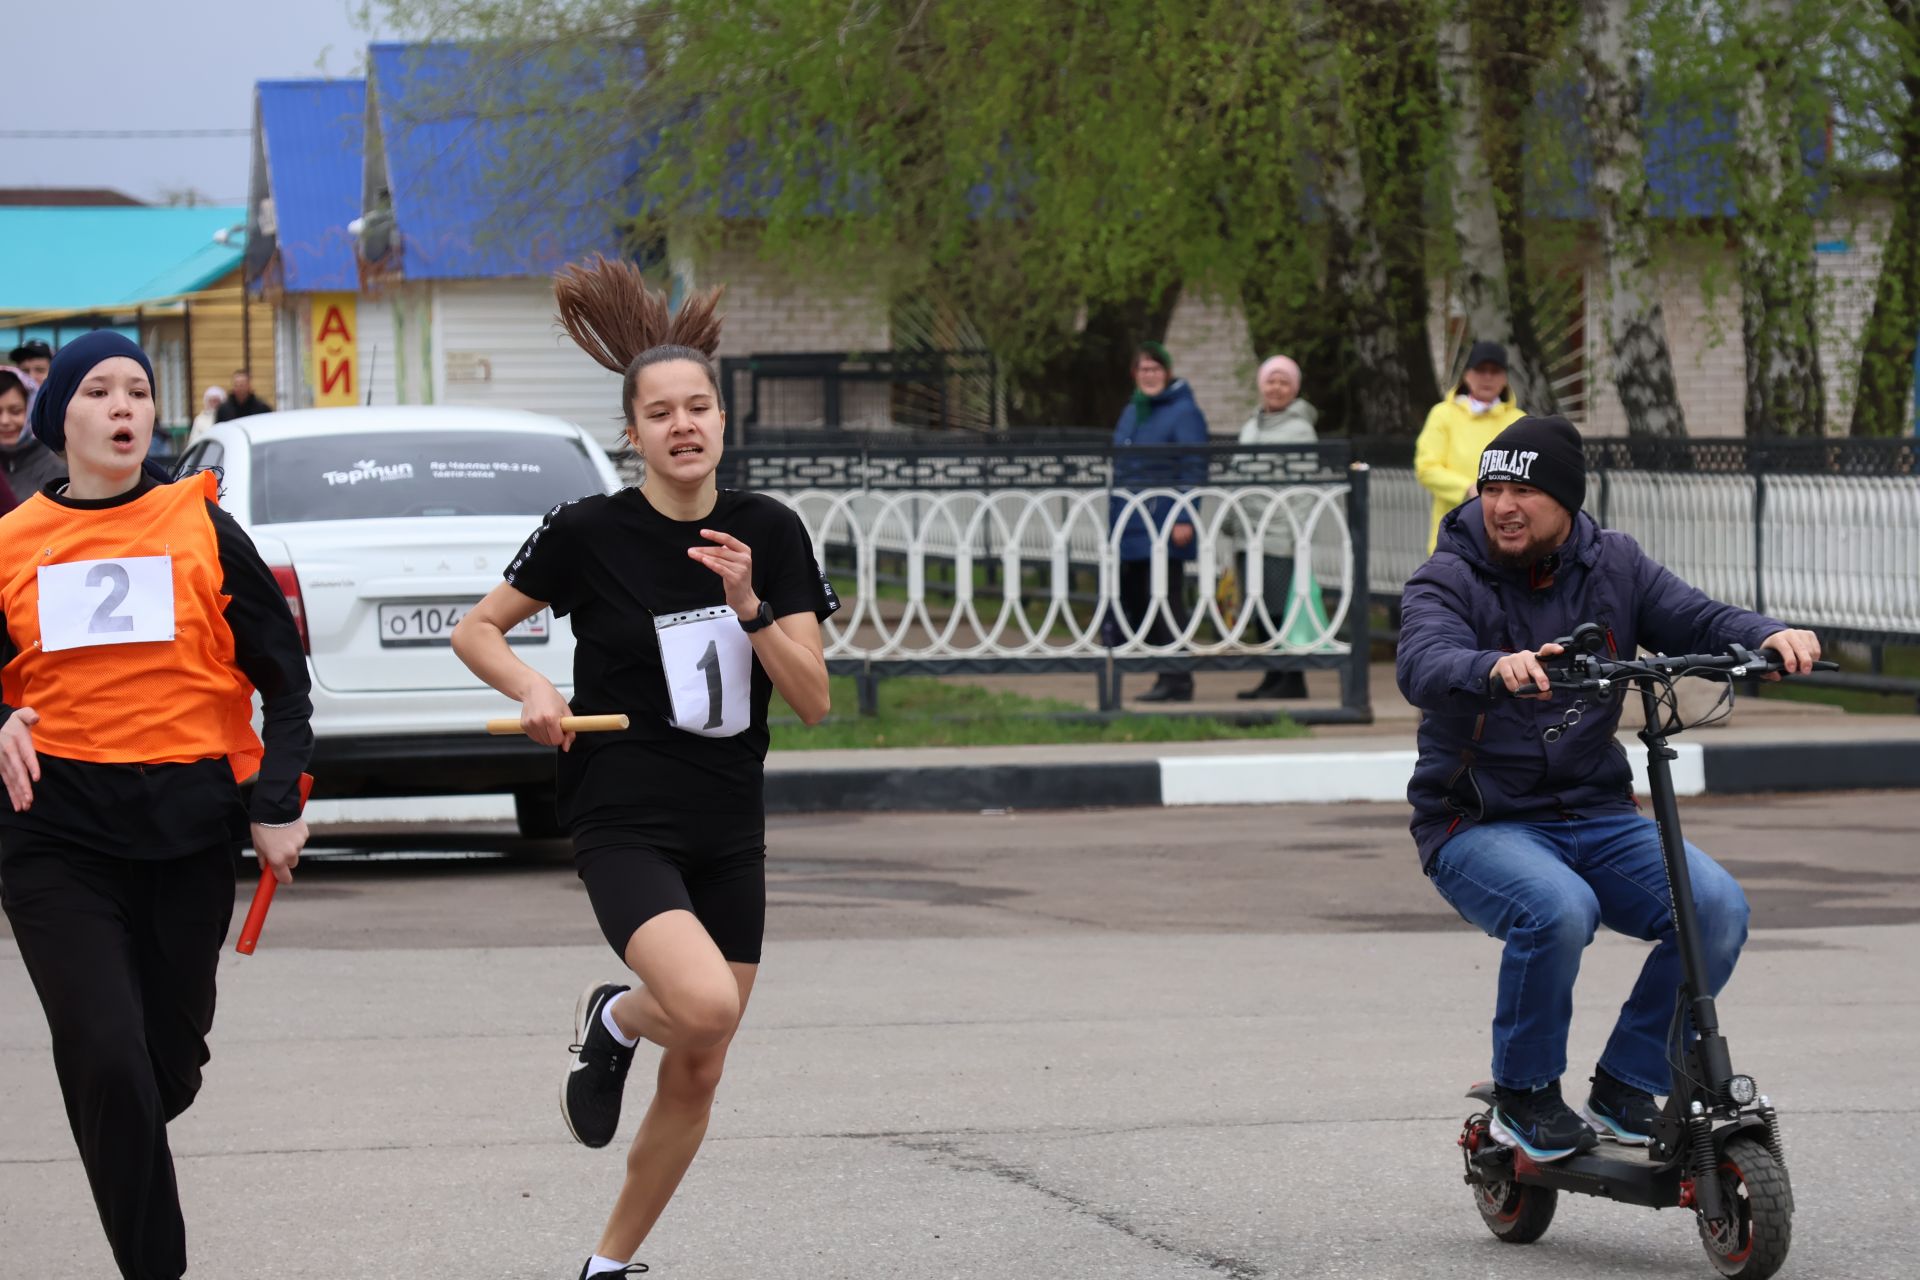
(608, 308)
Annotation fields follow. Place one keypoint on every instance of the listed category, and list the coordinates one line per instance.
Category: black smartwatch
(759, 621)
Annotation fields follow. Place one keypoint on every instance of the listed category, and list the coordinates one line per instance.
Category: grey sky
(178, 64)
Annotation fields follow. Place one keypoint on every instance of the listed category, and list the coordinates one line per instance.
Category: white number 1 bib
(93, 602)
(709, 664)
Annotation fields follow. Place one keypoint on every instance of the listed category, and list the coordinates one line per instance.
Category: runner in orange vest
(138, 619)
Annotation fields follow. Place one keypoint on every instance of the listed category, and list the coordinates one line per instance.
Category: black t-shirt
(618, 566)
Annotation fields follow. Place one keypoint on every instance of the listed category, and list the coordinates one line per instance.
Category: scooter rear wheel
(1752, 1243)
(1515, 1212)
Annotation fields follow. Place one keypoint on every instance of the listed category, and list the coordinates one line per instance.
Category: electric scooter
(1716, 1148)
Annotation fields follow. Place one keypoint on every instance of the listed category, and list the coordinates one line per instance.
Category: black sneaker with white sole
(631, 1269)
(1619, 1111)
(1540, 1123)
(590, 1095)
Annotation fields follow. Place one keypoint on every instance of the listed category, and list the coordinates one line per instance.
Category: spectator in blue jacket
(1538, 843)
(1162, 412)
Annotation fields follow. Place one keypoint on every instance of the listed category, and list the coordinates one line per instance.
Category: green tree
(1883, 403)
(1058, 173)
(1490, 59)
(1636, 331)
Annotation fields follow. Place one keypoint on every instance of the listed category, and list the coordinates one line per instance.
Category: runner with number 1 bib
(690, 605)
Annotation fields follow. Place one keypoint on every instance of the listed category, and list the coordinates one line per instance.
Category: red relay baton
(263, 892)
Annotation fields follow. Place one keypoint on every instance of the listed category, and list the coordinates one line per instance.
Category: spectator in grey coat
(1282, 418)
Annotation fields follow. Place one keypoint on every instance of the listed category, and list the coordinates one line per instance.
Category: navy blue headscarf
(70, 368)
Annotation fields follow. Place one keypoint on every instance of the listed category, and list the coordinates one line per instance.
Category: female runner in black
(690, 605)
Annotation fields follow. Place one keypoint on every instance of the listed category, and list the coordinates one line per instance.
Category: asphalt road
(1143, 1043)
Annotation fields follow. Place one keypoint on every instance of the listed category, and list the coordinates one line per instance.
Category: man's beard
(1538, 548)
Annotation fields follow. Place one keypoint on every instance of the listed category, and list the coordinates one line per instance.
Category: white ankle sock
(597, 1265)
(613, 1029)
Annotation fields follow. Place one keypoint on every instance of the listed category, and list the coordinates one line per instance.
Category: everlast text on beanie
(1542, 452)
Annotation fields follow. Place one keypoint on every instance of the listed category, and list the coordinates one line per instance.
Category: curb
(1317, 777)
(1326, 777)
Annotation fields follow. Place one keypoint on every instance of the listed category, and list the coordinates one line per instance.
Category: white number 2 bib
(91, 602)
(709, 665)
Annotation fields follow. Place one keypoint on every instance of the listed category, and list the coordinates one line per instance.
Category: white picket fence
(1835, 551)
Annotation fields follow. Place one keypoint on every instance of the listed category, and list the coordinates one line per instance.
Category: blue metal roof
(70, 259)
(1688, 147)
(313, 131)
(465, 140)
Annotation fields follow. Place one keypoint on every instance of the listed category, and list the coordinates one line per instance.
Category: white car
(383, 526)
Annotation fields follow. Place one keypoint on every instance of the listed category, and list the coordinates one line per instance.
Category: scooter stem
(1716, 1063)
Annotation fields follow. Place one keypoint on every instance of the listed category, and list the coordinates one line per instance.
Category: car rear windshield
(366, 476)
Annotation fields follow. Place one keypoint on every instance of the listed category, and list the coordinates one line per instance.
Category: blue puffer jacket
(1482, 758)
(1173, 417)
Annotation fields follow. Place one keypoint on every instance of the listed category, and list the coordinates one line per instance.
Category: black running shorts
(712, 865)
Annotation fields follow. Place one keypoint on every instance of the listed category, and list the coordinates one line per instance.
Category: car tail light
(290, 588)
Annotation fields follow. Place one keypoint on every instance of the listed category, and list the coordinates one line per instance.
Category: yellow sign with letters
(335, 351)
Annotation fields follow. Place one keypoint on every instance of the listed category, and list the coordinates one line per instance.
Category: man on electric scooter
(1535, 837)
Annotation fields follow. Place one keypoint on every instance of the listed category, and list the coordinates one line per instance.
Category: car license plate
(413, 623)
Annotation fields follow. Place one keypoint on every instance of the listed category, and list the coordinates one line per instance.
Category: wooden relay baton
(263, 892)
(569, 724)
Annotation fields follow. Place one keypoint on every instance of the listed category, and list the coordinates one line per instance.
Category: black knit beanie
(1542, 452)
(70, 368)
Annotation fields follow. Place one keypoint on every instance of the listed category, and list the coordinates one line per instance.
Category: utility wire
(105, 135)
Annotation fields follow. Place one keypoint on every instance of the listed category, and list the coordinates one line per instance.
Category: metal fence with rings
(981, 559)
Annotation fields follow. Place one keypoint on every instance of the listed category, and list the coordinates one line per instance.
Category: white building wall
(379, 359)
(1700, 300)
(1848, 262)
(495, 343)
(1211, 348)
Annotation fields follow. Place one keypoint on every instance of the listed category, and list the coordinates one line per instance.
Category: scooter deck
(1631, 1179)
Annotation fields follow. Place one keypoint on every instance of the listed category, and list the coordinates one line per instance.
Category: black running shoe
(1620, 1111)
(1540, 1123)
(590, 1095)
(631, 1269)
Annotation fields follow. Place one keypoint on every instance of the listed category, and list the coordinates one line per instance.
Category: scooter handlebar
(1589, 674)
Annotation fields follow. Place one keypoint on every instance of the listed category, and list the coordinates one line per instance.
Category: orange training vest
(144, 702)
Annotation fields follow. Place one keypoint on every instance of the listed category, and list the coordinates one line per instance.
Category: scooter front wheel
(1752, 1242)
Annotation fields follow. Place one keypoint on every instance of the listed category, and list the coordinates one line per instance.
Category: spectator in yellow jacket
(1446, 458)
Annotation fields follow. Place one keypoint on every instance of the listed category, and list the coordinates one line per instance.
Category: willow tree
(1057, 172)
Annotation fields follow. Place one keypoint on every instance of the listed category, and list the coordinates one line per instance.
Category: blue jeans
(1541, 888)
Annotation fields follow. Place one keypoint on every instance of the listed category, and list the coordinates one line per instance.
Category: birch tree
(1482, 281)
(1779, 285)
(1635, 327)
(1883, 405)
